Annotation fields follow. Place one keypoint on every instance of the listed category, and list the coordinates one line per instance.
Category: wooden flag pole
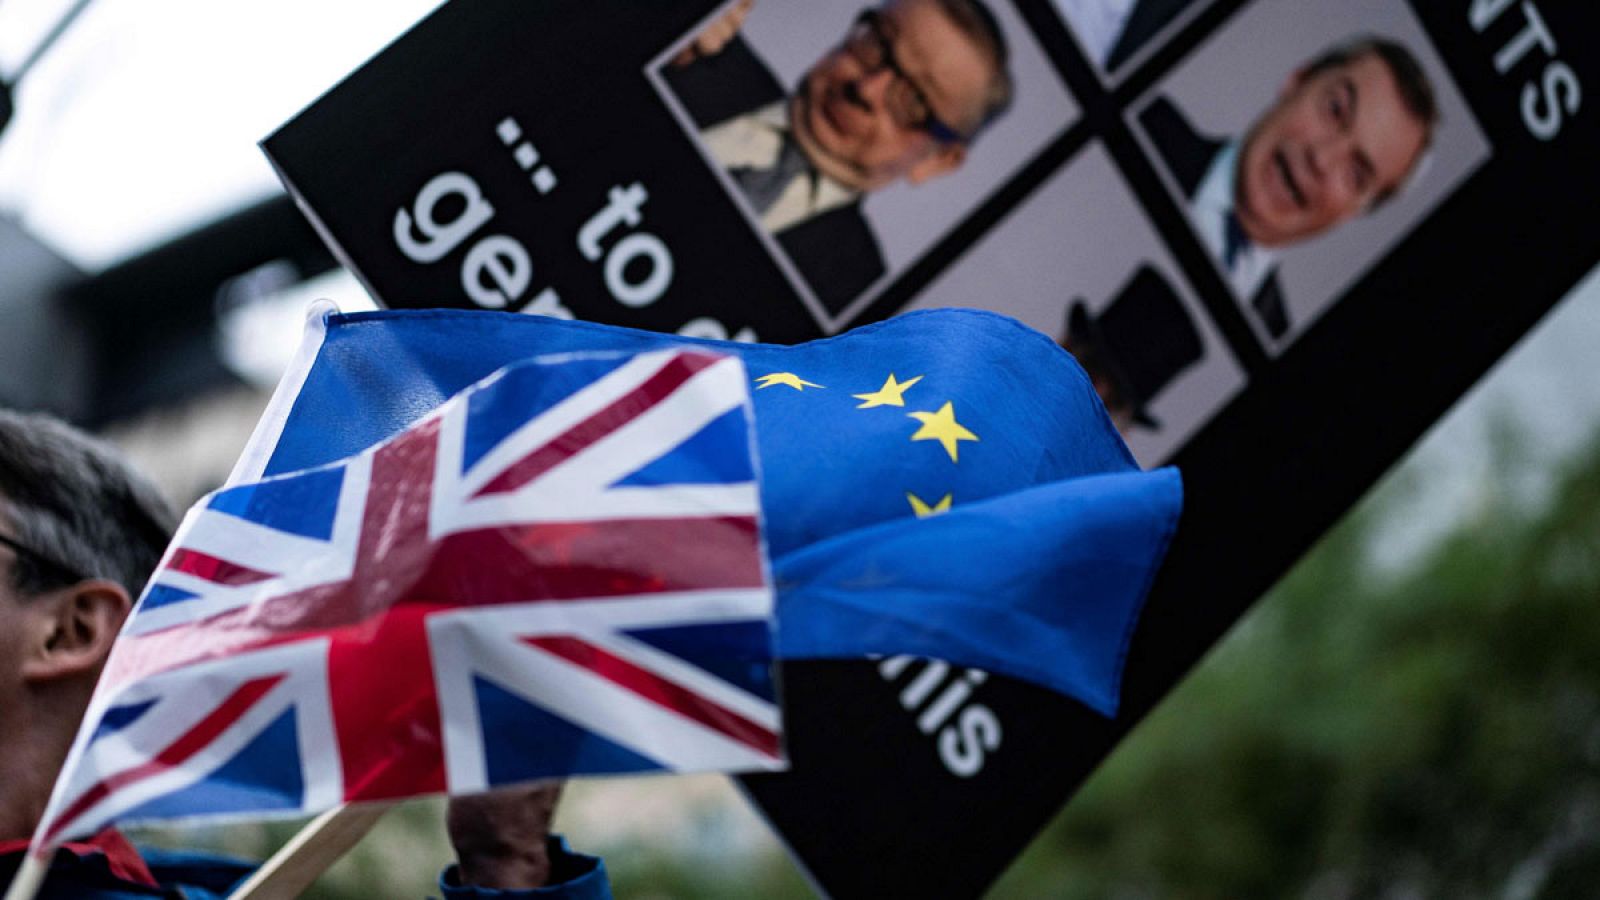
(310, 852)
(30, 876)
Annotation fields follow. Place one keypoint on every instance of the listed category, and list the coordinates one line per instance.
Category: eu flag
(945, 483)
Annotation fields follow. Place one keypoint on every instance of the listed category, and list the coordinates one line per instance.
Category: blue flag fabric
(500, 593)
(1042, 584)
(945, 483)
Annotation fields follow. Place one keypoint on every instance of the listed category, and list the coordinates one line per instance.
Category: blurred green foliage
(1432, 732)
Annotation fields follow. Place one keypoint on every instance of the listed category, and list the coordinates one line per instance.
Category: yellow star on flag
(942, 426)
(923, 510)
(891, 394)
(785, 378)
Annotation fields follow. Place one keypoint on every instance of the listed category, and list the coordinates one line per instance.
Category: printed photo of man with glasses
(901, 97)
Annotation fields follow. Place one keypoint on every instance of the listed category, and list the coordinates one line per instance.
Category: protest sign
(1285, 236)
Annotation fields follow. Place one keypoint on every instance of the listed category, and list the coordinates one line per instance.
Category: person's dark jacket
(1188, 154)
(835, 251)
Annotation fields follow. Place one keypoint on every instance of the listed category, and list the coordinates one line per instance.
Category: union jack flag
(558, 572)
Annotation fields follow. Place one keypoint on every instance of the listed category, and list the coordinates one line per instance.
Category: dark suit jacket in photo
(1188, 154)
(835, 251)
(1147, 18)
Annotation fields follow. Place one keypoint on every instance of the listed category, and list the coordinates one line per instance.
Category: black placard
(1279, 421)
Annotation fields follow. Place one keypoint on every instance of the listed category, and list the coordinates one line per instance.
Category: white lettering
(638, 245)
(951, 700)
(624, 206)
(1485, 11)
(507, 266)
(894, 665)
(1558, 80)
(965, 745)
(441, 238)
(1535, 33)
(924, 684)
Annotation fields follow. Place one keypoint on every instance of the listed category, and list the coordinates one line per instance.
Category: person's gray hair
(76, 502)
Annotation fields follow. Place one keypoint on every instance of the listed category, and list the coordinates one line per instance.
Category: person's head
(1345, 133)
(80, 532)
(905, 93)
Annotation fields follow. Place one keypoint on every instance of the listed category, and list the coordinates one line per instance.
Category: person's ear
(944, 159)
(73, 629)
